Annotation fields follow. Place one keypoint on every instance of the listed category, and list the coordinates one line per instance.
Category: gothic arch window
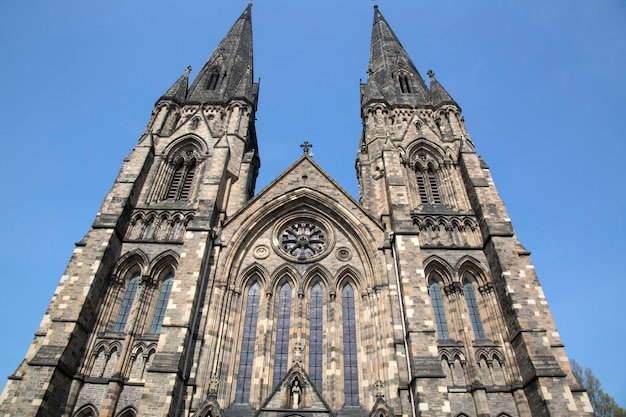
(472, 307)
(182, 179)
(428, 185)
(282, 334)
(244, 376)
(127, 303)
(213, 80)
(441, 323)
(405, 85)
(350, 366)
(177, 172)
(315, 336)
(164, 296)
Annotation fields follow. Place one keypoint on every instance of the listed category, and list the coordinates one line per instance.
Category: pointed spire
(228, 74)
(392, 76)
(178, 91)
(438, 95)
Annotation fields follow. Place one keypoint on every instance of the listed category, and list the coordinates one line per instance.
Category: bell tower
(474, 315)
(119, 335)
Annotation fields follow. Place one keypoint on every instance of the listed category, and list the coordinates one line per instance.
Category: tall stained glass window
(244, 376)
(164, 296)
(282, 334)
(440, 315)
(472, 306)
(127, 303)
(316, 334)
(350, 369)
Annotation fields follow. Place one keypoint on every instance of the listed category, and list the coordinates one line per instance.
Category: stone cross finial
(188, 69)
(431, 74)
(378, 387)
(306, 146)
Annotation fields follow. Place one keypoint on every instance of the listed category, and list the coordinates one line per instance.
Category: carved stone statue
(295, 395)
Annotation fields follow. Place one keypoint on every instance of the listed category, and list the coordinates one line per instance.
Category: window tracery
(176, 176)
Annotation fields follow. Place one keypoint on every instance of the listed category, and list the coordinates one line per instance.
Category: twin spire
(228, 74)
(392, 76)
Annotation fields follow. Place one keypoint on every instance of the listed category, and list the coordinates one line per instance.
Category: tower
(190, 296)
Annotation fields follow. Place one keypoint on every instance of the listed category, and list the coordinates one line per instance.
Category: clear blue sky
(541, 84)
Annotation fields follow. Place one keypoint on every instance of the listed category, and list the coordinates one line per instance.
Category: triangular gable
(381, 408)
(305, 174)
(210, 408)
(295, 392)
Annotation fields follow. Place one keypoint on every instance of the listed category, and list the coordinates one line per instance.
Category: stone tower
(191, 296)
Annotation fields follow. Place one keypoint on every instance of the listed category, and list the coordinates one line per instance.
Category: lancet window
(282, 334)
(405, 86)
(474, 312)
(244, 376)
(350, 369)
(438, 310)
(182, 179)
(127, 303)
(315, 336)
(213, 80)
(136, 300)
(428, 185)
(164, 296)
(282, 317)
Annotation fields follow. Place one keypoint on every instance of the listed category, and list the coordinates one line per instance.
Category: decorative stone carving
(213, 386)
(261, 252)
(343, 254)
(297, 353)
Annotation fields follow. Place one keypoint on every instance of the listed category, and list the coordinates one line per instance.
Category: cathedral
(191, 295)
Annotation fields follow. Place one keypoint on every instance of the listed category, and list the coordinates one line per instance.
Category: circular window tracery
(302, 239)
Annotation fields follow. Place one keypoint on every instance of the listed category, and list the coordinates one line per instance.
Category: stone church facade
(192, 296)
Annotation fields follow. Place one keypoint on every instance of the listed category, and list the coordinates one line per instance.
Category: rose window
(303, 240)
